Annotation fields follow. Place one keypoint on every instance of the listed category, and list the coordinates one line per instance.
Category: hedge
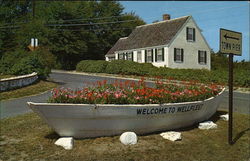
(241, 76)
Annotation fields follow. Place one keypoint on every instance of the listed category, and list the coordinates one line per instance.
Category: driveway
(18, 106)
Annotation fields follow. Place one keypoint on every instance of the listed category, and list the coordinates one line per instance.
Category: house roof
(155, 34)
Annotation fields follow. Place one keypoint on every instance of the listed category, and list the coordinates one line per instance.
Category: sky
(210, 16)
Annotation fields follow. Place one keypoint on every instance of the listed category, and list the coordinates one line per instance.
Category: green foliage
(69, 44)
(8, 59)
(219, 61)
(220, 75)
(28, 65)
(128, 67)
(21, 62)
(98, 66)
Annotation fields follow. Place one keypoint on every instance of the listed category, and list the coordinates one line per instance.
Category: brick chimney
(166, 17)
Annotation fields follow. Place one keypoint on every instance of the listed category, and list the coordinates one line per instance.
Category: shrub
(9, 59)
(94, 66)
(21, 62)
(28, 65)
(218, 75)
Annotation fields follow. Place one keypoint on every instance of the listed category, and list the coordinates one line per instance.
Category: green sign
(230, 42)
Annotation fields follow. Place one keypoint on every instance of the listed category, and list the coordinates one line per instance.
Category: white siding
(143, 56)
(135, 56)
(106, 58)
(190, 57)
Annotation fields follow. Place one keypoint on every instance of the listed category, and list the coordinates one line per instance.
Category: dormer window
(190, 34)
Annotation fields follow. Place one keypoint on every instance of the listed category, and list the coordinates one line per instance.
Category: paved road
(18, 106)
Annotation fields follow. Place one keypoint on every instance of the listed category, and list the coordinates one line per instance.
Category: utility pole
(231, 44)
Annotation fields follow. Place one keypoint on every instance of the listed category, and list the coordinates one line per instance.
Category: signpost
(230, 43)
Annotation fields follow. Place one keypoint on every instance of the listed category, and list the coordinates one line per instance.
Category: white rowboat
(95, 120)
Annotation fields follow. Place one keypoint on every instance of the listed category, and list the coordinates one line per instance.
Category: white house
(173, 43)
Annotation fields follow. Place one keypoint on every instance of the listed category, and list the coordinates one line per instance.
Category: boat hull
(90, 120)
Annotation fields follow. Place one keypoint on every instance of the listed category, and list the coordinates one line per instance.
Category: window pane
(120, 56)
(190, 33)
(149, 56)
(159, 54)
(202, 56)
(129, 56)
(138, 56)
(178, 55)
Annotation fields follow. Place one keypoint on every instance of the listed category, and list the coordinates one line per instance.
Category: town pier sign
(230, 42)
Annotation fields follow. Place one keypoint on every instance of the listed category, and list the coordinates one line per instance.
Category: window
(111, 58)
(178, 55)
(139, 56)
(190, 34)
(121, 56)
(149, 56)
(202, 57)
(159, 54)
(130, 56)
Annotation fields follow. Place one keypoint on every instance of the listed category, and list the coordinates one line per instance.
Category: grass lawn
(40, 86)
(27, 137)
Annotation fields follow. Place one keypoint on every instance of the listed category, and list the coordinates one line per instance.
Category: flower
(130, 92)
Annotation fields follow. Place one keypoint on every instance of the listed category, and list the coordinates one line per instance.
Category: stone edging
(17, 82)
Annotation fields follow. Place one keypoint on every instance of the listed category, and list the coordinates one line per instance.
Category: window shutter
(152, 55)
(187, 33)
(145, 56)
(199, 56)
(193, 34)
(205, 57)
(162, 54)
(132, 54)
(155, 55)
(182, 52)
(174, 54)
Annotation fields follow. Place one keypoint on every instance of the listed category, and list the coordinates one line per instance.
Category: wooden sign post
(230, 43)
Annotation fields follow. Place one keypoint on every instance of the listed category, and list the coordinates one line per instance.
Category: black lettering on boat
(139, 111)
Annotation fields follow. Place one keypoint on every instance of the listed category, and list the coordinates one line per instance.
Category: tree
(72, 31)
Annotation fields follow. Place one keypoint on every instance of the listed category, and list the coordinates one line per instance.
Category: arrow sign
(230, 42)
(229, 37)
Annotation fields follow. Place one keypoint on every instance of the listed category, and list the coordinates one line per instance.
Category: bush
(220, 75)
(30, 64)
(9, 59)
(21, 62)
(92, 66)
(128, 68)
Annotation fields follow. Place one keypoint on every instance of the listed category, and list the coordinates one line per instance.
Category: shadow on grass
(239, 135)
(52, 136)
(213, 118)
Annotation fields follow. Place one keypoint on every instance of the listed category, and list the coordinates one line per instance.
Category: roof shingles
(156, 34)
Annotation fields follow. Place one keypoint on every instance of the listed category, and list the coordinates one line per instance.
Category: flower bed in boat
(129, 92)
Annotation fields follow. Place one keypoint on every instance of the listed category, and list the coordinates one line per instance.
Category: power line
(86, 24)
(101, 23)
(89, 29)
(70, 20)
(97, 18)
